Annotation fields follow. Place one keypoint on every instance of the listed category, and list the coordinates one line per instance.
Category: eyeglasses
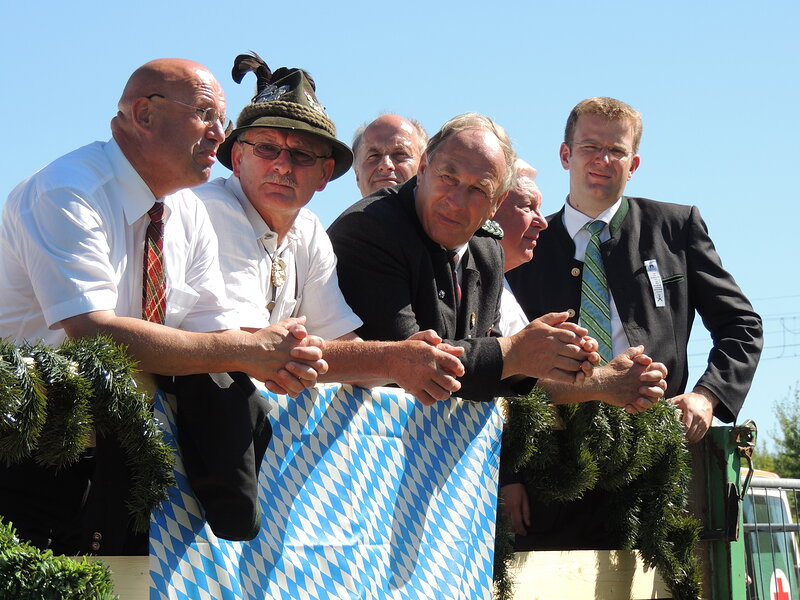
(209, 116)
(614, 153)
(300, 158)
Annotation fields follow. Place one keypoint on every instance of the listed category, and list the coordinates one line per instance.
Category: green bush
(27, 573)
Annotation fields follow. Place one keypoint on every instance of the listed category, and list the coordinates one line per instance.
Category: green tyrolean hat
(285, 99)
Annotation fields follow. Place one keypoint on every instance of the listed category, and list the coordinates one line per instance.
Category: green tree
(763, 458)
(787, 459)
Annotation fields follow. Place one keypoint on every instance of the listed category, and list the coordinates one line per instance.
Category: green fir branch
(124, 411)
(503, 553)
(641, 459)
(68, 424)
(50, 399)
(23, 405)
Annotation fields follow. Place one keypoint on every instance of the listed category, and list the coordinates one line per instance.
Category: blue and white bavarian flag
(366, 494)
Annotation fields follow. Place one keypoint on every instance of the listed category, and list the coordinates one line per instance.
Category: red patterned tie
(154, 300)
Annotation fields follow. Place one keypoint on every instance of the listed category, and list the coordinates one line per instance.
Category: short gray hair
(478, 121)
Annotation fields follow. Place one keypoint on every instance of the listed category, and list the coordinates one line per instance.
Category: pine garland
(641, 458)
(22, 404)
(50, 400)
(503, 551)
(68, 424)
(27, 573)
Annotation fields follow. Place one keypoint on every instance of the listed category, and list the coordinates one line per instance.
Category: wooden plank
(131, 575)
(583, 575)
(558, 575)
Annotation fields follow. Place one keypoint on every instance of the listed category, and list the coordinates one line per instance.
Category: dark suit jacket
(694, 280)
(398, 281)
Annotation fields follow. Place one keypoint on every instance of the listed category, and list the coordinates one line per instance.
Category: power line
(775, 298)
(763, 351)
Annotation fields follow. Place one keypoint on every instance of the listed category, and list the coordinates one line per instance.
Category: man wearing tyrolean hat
(276, 258)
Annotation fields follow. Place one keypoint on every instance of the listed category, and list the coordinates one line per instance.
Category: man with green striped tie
(633, 272)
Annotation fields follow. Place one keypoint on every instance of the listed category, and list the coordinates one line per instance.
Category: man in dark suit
(661, 267)
(660, 263)
(409, 258)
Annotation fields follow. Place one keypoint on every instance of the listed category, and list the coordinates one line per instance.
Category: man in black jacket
(415, 257)
(660, 263)
(660, 266)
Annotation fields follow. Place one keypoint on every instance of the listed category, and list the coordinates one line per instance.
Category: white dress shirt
(247, 249)
(72, 242)
(512, 317)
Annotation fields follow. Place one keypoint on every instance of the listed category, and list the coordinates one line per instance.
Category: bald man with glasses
(74, 264)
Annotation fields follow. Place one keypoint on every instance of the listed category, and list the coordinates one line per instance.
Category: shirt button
(571, 312)
(575, 271)
(441, 294)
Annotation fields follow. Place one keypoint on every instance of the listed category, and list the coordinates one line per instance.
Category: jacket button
(441, 294)
(97, 536)
(571, 312)
(95, 546)
(575, 272)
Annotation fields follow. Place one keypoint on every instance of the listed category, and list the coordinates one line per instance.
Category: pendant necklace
(277, 277)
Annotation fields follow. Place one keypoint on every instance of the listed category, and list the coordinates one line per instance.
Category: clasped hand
(292, 359)
(551, 347)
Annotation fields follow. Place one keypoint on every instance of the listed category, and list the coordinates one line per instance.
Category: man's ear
(142, 113)
(634, 165)
(327, 173)
(236, 158)
(564, 155)
(423, 164)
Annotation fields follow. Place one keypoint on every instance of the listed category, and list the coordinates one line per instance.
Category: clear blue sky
(716, 82)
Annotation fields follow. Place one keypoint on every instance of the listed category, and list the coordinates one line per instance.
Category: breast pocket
(672, 285)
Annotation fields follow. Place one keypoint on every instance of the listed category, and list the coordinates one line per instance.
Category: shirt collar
(575, 220)
(136, 197)
(460, 251)
(261, 231)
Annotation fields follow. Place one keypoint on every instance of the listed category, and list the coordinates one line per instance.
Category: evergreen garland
(27, 573)
(503, 551)
(50, 400)
(120, 409)
(68, 424)
(641, 458)
(22, 404)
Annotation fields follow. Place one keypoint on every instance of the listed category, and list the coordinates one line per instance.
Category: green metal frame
(724, 449)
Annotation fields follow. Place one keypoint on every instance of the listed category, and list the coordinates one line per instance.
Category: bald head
(520, 216)
(160, 124)
(387, 152)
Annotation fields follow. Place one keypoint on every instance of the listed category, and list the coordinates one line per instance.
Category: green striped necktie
(595, 301)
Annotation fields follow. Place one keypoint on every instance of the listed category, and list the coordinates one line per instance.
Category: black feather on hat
(284, 99)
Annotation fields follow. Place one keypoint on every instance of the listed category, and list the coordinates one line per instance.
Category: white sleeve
(321, 300)
(64, 246)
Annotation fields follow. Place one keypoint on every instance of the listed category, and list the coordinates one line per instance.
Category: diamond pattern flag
(366, 494)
